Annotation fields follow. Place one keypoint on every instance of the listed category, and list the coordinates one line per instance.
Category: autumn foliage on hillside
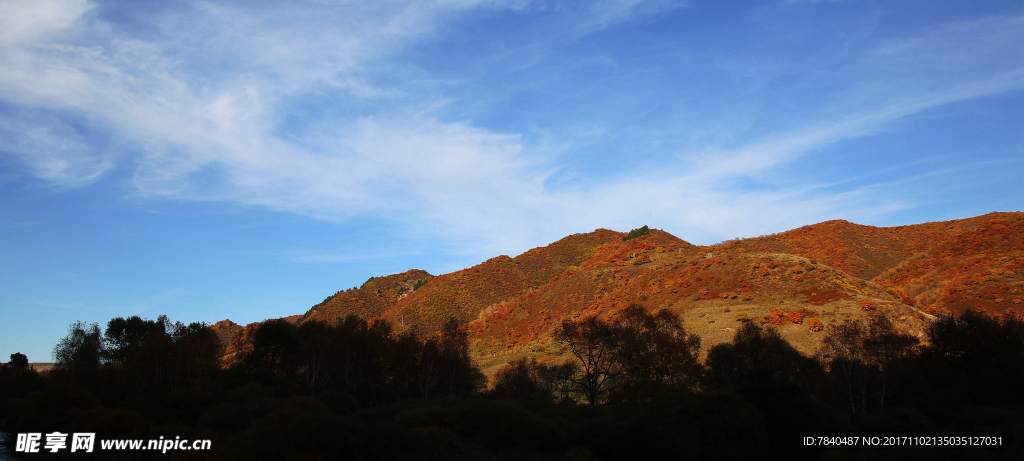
(951, 265)
(672, 279)
(463, 294)
(638, 250)
(801, 281)
(226, 331)
(980, 268)
(369, 300)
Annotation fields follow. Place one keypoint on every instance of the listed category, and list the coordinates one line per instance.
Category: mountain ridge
(798, 280)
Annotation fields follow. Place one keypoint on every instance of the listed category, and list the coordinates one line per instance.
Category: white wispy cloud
(32, 20)
(199, 107)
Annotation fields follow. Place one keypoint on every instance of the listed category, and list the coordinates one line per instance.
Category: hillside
(799, 281)
(369, 300)
(711, 291)
(226, 331)
(952, 265)
(464, 294)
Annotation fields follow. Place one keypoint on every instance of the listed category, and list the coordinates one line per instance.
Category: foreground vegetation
(635, 387)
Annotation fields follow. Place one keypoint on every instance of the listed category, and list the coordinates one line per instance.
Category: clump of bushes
(636, 233)
(419, 283)
(777, 317)
(642, 259)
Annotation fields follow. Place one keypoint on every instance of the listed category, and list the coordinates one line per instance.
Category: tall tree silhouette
(195, 355)
(978, 356)
(273, 347)
(654, 352)
(528, 380)
(458, 374)
(17, 378)
(757, 356)
(865, 362)
(138, 351)
(78, 354)
(316, 356)
(593, 343)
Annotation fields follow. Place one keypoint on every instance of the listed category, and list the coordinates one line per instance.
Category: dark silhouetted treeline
(635, 387)
(363, 361)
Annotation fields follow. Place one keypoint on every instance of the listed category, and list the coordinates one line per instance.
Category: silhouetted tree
(403, 358)
(458, 374)
(379, 341)
(146, 356)
(78, 355)
(528, 380)
(655, 353)
(865, 362)
(17, 378)
(124, 336)
(593, 343)
(518, 380)
(138, 351)
(757, 356)
(428, 367)
(889, 352)
(979, 357)
(273, 345)
(360, 353)
(196, 355)
(316, 356)
(18, 361)
(842, 355)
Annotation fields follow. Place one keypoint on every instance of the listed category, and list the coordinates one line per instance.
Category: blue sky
(243, 160)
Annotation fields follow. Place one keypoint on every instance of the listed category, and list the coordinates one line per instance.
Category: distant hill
(814, 275)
